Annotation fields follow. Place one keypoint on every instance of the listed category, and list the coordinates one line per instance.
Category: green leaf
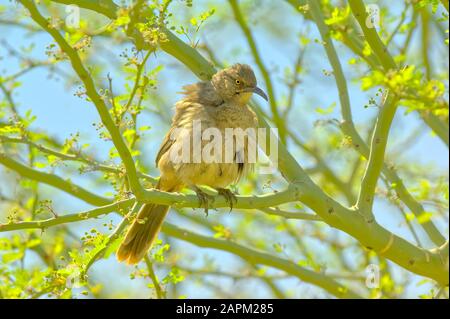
(424, 217)
(112, 247)
(33, 243)
(327, 110)
(410, 216)
(11, 257)
(122, 20)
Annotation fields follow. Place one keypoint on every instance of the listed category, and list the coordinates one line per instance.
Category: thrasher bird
(220, 103)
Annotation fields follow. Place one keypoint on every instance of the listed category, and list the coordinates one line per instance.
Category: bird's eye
(238, 82)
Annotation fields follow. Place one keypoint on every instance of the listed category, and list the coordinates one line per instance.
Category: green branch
(72, 157)
(290, 215)
(69, 218)
(160, 293)
(425, 42)
(257, 257)
(376, 159)
(115, 235)
(348, 32)
(359, 11)
(183, 52)
(439, 127)
(91, 91)
(376, 155)
(140, 68)
(177, 200)
(349, 129)
(371, 35)
(54, 181)
(338, 73)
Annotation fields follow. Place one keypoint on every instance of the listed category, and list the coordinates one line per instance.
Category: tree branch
(257, 257)
(160, 293)
(349, 129)
(91, 91)
(359, 11)
(71, 157)
(376, 155)
(176, 200)
(120, 206)
(338, 73)
(349, 35)
(290, 215)
(54, 181)
(99, 253)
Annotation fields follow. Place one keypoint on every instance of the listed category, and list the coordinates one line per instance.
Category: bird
(219, 103)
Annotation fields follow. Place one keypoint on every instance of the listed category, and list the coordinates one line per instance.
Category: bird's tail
(142, 233)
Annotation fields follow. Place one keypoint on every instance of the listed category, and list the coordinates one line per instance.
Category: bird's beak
(261, 93)
(258, 91)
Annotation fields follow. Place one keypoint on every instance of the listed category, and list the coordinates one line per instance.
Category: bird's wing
(198, 101)
(165, 145)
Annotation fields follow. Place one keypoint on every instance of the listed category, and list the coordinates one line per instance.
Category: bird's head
(237, 84)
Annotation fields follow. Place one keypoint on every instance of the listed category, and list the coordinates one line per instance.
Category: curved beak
(258, 91)
(261, 93)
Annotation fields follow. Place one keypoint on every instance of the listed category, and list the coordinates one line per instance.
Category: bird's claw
(204, 199)
(230, 197)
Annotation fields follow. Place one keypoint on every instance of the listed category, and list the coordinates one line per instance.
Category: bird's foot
(204, 199)
(230, 197)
